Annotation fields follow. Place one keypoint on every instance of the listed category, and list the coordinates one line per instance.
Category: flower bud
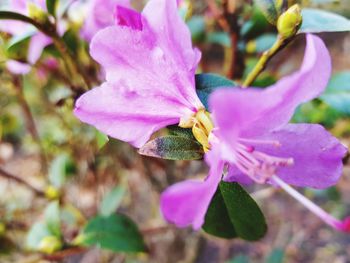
(52, 193)
(289, 22)
(50, 244)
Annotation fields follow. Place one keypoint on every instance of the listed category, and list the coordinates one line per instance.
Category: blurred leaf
(51, 6)
(16, 40)
(239, 259)
(116, 232)
(173, 148)
(52, 218)
(207, 83)
(196, 24)
(61, 167)
(255, 25)
(269, 9)
(233, 213)
(37, 232)
(71, 39)
(264, 42)
(220, 38)
(111, 201)
(316, 21)
(102, 139)
(276, 256)
(337, 94)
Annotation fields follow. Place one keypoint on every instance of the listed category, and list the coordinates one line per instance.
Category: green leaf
(51, 6)
(116, 232)
(265, 42)
(276, 256)
(337, 94)
(111, 201)
(176, 130)
(61, 167)
(269, 9)
(316, 21)
(102, 139)
(221, 38)
(16, 40)
(173, 148)
(239, 259)
(196, 24)
(207, 83)
(233, 213)
(52, 218)
(37, 232)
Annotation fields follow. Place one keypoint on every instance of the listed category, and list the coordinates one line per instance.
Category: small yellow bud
(50, 244)
(52, 193)
(251, 47)
(2, 229)
(289, 22)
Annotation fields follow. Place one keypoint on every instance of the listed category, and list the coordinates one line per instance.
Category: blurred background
(47, 154)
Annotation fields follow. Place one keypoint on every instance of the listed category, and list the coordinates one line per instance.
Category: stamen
(343, 226)
(260, 142)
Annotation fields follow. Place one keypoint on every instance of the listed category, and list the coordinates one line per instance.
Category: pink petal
(186, 203)
(126, 113)
(254, 111)
(317, 156)
(128, 17)
(100, 15)
(37, 44)
(16, 67)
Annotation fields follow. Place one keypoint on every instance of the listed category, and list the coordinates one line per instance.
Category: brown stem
(19, 180)
(30, 120)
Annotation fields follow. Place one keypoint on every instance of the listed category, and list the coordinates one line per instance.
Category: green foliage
(207, 83)
(49, 229)
(239, 259)
(60, 169)
(173, 148)
(337, 94)
(270, 9)
(196, 25)
(102, 139)
(51, 6)
(115, 232)
(111, 201)
(276, 256)
(233, 213)
(316, 21)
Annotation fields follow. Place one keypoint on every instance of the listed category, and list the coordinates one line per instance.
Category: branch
(19, 180)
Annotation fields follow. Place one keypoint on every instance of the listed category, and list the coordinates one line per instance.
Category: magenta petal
(16, 67)
(100, 15)
(250, 112)
(317, 155)
(37, 44)
(174, 35)
(126, 114)
(128, 17)
(186, 203)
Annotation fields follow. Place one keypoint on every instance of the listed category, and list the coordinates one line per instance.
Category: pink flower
(38, 40)
(149, 63)
(252, 136)
(100, 15)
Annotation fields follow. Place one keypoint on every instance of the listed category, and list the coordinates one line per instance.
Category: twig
(264, 59)
(19, 180)
(30, 120)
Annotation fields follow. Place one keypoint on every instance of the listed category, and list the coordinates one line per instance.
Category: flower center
(201, 125)
(259, 166)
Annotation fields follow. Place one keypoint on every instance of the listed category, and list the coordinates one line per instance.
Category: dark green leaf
(221, 38)
(207, 83)
(116, 232)
(197, 27)
(269, 9)
(178, 131)
(173, 148)
(276, 256)
(20, 38)
(51, 6)
(316, 21)
(233, 213)
(337, 94)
